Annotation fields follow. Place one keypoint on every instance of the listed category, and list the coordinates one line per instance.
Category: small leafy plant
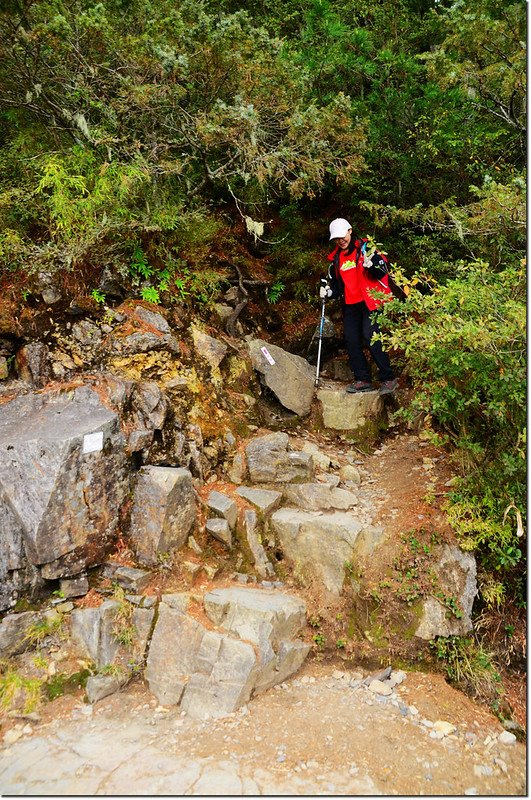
(275, 291)
(150, 294)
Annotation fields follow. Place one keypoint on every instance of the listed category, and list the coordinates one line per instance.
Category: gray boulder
(13, 632)
(152, 318)
(321, 460)
(270, 620)
(212, 350)
(17, 575)
(318, 496)
(255, 613)
(350, 412)
(100, 686)
(92, 629)
(163, 513)
(152, 333)
(290, 377)
(33, 364)
(319, 545)
(63, 477)
(115, 633)
(212, 673)
(131, 579)
(252, 537)
(149, 408)
(76, 586)
(208, 673)
(237, 471)
(220, 530)
(265, 500)
(456, 580)
(223, 506)
(269, 460)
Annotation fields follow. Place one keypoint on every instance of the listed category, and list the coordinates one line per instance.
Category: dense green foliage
(124, 126)
(464, 346)
(135, 135)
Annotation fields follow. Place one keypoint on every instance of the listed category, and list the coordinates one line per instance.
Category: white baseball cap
(339, 227)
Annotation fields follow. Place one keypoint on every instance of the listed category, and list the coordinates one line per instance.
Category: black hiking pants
(358, 330)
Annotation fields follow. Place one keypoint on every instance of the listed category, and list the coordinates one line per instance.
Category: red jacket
(370, 280)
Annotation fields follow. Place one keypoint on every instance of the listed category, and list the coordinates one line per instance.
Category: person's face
(344, 241)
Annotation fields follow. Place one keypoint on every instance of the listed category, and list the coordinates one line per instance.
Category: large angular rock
(318, 496)
(33, 364)
(212, 350)
(321, 460)
(224, 678)
(223, 506)
(17, 575)
(152, 318)
(213, 672)
(13, 632)
(149, 408)
(100, 686)
(220, 530)
(76, 586)
(63, 477)
(269, 460)
(151, 333)
(265, 500)
(456, 580)
(290, 377)
(92, 629)
(163, 513)
(349, 412)
(319, 545)
(96, 632)
(268, 619)
(131, 579)
(253, 614)
(252, 537)
(209, 673)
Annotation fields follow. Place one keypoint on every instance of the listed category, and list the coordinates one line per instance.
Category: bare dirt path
(321, 733)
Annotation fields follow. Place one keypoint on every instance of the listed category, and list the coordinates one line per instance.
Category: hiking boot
(360, 386)
(388, 387)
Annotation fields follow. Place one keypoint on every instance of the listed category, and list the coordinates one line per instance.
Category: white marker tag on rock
(268, 355)
(93, 442)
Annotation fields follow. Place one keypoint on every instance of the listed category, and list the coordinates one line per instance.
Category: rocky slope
(184, 516)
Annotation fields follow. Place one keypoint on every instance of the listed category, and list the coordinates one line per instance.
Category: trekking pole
(321, 327)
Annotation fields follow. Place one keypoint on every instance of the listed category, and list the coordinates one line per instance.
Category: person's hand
(325, 291)
(374, 261)
(367, 261)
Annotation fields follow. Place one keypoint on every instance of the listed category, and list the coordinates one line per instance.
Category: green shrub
(464, 344)
(469, 666)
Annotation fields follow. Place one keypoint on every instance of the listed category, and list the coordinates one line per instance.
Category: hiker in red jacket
(354, 276)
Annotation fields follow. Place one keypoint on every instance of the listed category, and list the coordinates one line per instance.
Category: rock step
(213, 672)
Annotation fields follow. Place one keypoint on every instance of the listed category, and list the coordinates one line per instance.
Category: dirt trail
(318, 734)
